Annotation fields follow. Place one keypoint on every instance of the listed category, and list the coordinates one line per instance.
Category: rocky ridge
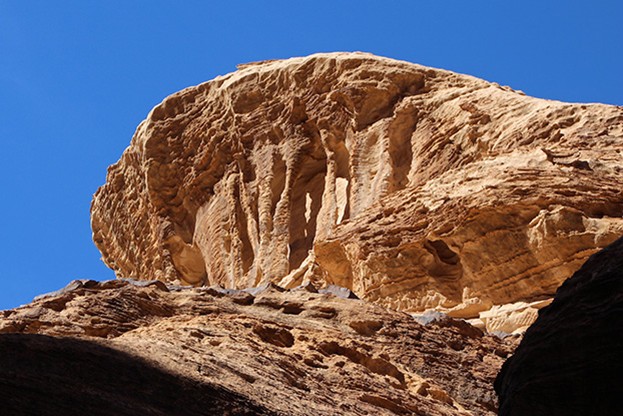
(416, 188)
(268, 351)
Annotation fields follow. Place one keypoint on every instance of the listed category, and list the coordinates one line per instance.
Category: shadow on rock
(43, 375)
(570, 362)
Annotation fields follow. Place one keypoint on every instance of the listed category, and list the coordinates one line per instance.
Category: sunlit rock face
(415, 187)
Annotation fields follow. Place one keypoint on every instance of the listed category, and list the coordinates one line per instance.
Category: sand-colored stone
(511, 318)
(125, 347)
(415, 187)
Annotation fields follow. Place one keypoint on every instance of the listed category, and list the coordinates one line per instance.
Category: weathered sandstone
(126, 347)
(416, 188)
(569, 362)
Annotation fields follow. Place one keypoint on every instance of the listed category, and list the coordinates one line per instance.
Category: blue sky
(76, 78)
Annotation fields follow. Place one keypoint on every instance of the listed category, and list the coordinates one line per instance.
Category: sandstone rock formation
(414, 187)
(569, 362)
(126, 347)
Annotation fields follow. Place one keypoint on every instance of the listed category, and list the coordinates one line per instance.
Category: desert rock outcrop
(416, 188)
(126, 347)
(569, 362)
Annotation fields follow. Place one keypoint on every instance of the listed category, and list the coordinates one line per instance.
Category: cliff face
(128, 347)
(416, 188)
(336, 176)
(569, 362)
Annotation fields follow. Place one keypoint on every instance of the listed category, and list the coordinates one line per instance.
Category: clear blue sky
(76, 78)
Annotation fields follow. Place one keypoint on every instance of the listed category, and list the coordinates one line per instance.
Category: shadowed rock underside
(569, 362)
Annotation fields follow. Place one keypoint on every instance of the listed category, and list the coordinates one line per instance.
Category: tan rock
(111, 345)
(406, 184)
(512, 318)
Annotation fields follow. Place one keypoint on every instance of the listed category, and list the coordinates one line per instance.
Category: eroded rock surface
(126, 347)
(414, 187)
(570, 362)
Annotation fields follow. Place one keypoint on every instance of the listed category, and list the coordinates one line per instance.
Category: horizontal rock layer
(569, 362)
(415, 187)
(124, 347)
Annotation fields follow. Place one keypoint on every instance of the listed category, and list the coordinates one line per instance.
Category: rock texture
(50, 376)
(126, 347)
(569, 362)
(414, 187)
